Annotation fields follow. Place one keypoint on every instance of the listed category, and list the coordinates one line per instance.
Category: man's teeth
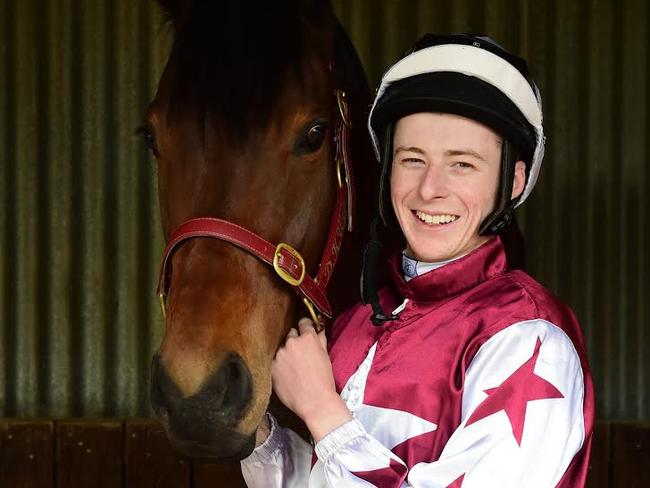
(435, 219)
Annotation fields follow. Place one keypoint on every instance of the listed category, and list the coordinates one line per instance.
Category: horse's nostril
(238, 385)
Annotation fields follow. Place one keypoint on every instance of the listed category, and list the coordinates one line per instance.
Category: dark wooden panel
(217, 476)
(630, 455)
(599, 462)
(89, 454)
(150, 461)
(26, 453)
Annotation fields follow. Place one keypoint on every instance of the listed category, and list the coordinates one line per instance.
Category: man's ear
(519, 180)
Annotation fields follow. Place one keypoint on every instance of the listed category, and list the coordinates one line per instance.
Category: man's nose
(434, 183)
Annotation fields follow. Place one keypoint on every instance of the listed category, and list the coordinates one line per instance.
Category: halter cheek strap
(285, 260)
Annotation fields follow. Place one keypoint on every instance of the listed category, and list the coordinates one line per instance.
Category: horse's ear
(174, 9)
(317, 11)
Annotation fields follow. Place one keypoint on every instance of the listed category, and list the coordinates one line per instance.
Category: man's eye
(463, 164)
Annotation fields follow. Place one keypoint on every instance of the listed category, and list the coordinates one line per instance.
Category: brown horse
(243, 127)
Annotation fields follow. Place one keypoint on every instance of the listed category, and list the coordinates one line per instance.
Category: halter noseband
(285, 260)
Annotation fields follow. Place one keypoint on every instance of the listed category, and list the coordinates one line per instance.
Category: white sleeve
(350, 457)
(282, 461)
(522, 422)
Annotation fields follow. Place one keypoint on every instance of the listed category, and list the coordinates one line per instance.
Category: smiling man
(462, 371)
(444, 181)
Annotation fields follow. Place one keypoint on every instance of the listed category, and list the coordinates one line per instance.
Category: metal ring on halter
(339, 177)
(163, 306)
(343, 108)
(314, 316)
(281, 272)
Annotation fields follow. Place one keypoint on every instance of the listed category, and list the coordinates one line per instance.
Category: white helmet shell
(470, 60)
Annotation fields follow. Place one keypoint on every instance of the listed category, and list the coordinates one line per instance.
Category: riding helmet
(471, 76)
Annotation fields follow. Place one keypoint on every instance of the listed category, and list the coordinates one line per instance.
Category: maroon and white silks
(482, 381)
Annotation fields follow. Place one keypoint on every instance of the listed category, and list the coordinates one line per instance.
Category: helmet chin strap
(371, 255)
(501, 217)
(384, 200)
(493, 224)
(373, 250)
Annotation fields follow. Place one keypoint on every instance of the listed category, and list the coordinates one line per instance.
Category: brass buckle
(314, 316)
(282, 273)
(343, 108)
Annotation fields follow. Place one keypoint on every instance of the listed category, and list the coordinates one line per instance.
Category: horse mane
(232, 59)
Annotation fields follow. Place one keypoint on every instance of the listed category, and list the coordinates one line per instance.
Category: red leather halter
(286, 261)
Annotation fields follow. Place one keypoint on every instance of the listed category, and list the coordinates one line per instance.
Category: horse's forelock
(232, 59)
(173, 10)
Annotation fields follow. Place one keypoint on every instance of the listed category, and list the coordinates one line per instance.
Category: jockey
(461, 371)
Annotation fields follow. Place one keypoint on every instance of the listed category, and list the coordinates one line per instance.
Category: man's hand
(303, 380)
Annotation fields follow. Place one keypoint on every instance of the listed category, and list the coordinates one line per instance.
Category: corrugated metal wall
(79, 232)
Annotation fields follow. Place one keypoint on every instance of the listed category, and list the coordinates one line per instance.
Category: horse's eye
(312, 139)
(149, 139)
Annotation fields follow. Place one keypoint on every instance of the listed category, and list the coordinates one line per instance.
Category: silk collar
(485, 262)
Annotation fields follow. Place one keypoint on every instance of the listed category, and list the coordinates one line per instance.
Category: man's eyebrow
(414, 149)
(464, 152)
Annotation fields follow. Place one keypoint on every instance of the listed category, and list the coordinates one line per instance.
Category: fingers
(305, 325)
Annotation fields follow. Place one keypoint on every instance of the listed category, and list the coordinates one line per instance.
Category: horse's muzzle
(204, 425)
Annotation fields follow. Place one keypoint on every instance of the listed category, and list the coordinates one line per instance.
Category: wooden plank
(206, 475)
(598, 476)
(150, 460)
(26, 453)
(630, 454)
(89, 453)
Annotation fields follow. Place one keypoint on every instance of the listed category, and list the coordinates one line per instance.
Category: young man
(478, 377)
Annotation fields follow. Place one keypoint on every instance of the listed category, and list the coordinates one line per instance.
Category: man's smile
(434, 219)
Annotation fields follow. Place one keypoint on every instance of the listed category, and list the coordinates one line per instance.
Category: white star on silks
(392, 427)
(389, 426)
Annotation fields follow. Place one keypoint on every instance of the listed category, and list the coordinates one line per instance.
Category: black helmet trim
(470, 60)
(461, 95)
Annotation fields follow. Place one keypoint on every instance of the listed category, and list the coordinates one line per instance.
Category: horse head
(243, 129)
